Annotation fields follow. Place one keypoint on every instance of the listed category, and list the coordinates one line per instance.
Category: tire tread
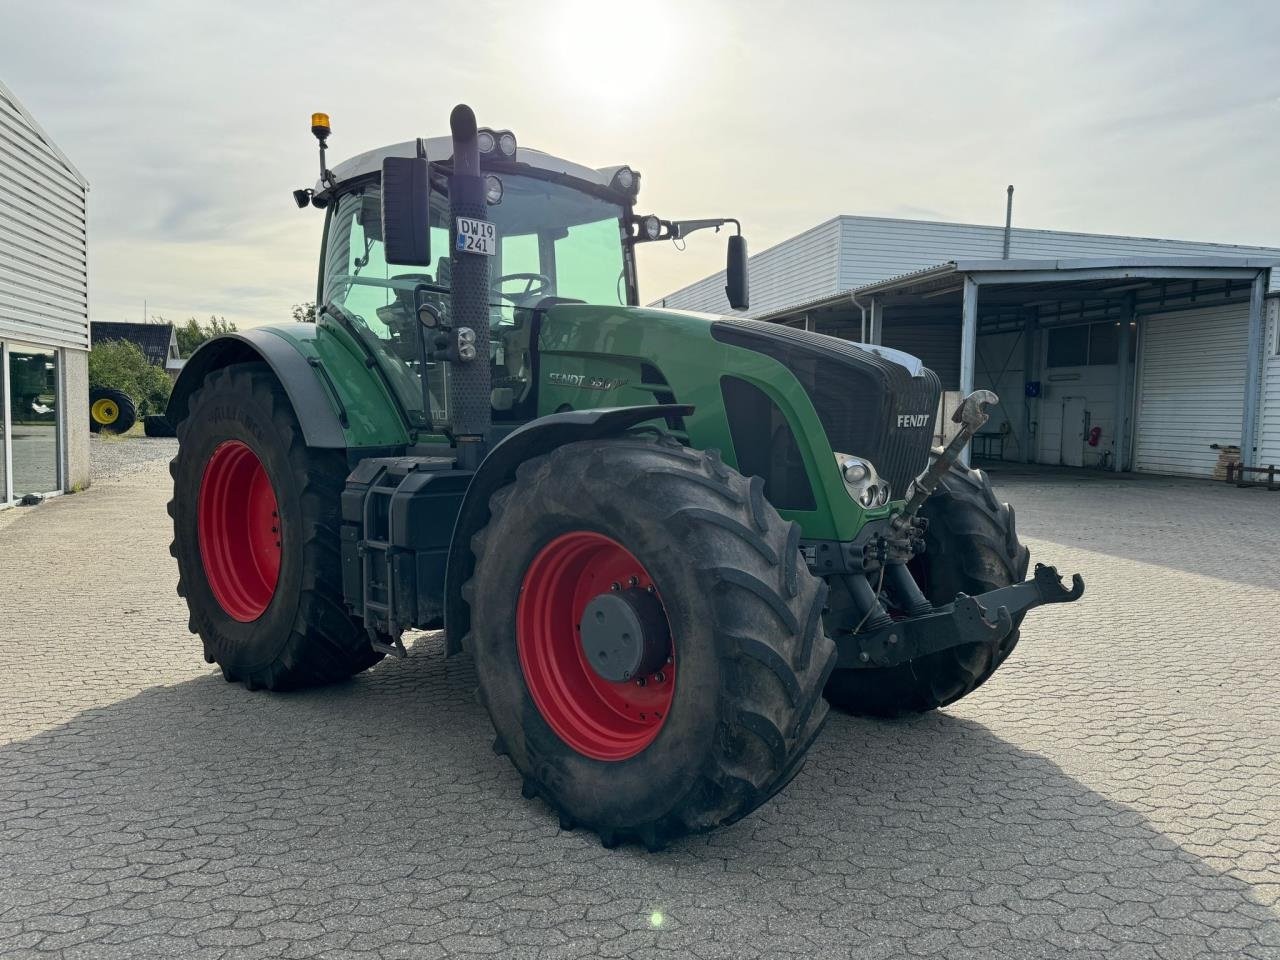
(325, 643)
(773, 700)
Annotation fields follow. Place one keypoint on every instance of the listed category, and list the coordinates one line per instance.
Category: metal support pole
(877, 321)
(1122, 387)
(1253, 372)
(1134, 408)
(1030, 372)
(6, 415)
(968, 345)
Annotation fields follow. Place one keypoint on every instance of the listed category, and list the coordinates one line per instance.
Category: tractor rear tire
(715, 730)
(971, 547)
(256, 536)
(111, 411)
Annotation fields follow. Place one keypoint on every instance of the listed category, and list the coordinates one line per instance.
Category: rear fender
(338, 400)
(499, 468)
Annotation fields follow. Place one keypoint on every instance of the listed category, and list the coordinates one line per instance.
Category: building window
(1085, 345)
(1104, 343)
(1068, 346)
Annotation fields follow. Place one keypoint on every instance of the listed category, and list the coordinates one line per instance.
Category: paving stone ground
(1114, 791)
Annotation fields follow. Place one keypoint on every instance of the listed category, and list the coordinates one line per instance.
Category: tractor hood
(752, 384)
(913, 365)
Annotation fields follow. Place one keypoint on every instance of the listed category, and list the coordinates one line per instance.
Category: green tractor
(666, 539)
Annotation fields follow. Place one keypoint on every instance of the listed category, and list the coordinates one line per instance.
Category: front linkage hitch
(984, 619)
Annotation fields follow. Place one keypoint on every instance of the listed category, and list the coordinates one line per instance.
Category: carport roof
(1091, 276)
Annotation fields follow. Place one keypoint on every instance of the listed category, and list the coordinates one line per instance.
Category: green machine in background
(667, 539)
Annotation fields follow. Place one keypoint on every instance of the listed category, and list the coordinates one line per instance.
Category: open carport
(1132, 363)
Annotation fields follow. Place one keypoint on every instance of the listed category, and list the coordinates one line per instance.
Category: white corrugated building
(44, 312)
(1107, 351)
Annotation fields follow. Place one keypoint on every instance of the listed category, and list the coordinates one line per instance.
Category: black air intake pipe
(470, 412)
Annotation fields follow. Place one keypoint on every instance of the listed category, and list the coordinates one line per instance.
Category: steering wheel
(542, 281)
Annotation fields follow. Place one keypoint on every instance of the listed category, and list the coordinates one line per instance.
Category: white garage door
(1191, 389)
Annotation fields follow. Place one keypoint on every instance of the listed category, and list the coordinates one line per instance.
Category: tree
(304, 312)
(193, 333)
(121, 365)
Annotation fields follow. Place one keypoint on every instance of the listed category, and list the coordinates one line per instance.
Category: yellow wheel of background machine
(111, 411)
(105, 412)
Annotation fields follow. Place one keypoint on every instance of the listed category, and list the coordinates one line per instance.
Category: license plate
(477, 236)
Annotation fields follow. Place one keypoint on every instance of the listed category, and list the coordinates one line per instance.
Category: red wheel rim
(239, 529)
(596, 717)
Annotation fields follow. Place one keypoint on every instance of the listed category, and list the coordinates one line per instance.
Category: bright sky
(190, 120)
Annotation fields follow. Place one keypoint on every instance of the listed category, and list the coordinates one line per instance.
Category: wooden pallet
(1270, 479)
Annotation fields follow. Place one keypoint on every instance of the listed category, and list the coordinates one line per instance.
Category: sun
(615, 53)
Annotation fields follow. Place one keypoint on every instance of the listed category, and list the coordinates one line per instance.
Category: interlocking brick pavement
(1113, 791)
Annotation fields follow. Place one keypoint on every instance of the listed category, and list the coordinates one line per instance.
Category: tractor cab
(554, 232)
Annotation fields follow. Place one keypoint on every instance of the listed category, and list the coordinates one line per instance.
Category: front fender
(499, 468)
(339, 402)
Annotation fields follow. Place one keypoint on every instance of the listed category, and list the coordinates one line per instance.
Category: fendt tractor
(667, 540)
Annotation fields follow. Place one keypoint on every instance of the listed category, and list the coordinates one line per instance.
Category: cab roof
(441, 148)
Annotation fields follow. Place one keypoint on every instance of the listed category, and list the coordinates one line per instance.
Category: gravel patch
(111, 458)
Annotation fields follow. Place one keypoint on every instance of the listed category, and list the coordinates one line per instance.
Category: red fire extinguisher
(1095, 434)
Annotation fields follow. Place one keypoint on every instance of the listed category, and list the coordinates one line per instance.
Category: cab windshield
(553, 241)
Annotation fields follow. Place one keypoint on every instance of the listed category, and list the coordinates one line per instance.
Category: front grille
(858, 395)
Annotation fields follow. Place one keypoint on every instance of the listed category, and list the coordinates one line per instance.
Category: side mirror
(735, 273)
(406, 211)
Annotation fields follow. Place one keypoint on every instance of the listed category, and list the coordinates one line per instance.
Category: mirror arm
(682, 228)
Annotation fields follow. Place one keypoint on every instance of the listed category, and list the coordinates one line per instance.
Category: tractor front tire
(255, 533)
(971, 546)
(111, 411)
(730, 697)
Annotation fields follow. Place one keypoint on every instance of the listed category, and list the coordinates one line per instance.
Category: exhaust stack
(469, 378)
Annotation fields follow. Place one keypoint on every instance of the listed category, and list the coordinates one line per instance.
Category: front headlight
(862, 481)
